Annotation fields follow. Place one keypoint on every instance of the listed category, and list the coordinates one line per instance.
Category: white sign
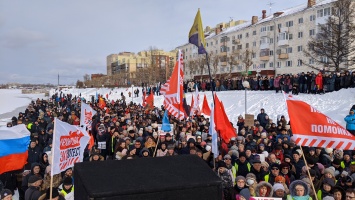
(86, 115)
(69, 143)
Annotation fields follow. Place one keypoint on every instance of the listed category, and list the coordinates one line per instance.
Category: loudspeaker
(169, 178)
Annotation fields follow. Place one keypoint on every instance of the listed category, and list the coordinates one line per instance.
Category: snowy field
(336, 105)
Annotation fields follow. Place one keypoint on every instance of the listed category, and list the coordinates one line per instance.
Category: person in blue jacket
(350, 122)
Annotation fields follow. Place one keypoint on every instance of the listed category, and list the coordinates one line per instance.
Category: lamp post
(132, 92)
(246, 86)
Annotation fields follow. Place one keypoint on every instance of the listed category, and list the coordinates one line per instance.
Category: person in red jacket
(319, 83)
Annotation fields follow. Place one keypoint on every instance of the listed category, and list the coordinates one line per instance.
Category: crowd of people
(260, 161)
(309, 82)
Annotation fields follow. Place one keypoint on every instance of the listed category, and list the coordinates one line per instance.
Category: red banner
(312, 128)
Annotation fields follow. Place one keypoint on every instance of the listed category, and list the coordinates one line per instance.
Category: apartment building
(274, 42)
(127, 65)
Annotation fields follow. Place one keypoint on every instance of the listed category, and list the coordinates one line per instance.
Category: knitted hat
(330, 171)
(245, 193)
(279, 179)
(240, 178)
(278, 186)
(282, 165)
(250, 176)
(208, 148)
(4, 193)
(222, 164)
(68, 181)
(328, 198)
(242, 154)
(275, 165)
(328, 150)
(265, 164)
(329, 181)
(227, 156)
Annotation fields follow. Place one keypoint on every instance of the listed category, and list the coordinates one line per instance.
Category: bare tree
(233, 60)
(86, 77)
(214, 61)
(247, 60)
(333, 47)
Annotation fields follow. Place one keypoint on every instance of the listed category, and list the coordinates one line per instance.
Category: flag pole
(52, 165)
(209, 74)
(309, 175)
(156, 146)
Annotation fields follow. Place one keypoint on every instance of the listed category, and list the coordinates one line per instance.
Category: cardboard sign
(249, 120)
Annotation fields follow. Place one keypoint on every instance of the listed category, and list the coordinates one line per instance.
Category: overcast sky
(39, 39)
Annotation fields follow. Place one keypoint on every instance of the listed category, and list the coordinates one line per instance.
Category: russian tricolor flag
(14, 143)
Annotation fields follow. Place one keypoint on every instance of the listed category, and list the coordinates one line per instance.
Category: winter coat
(350, 122)
(292, 194)
(32, 193)
(319, 81)
(268, 186)
(277, 82)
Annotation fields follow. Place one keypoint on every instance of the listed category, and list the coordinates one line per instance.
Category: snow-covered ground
(12, 102)
(336, 105)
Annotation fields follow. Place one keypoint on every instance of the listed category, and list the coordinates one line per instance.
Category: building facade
(150, 66)
(266, 45)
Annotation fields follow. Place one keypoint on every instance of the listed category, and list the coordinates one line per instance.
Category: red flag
(312, 128)
(173, 90)
(102, 103)
(192, 106)
(205, 107)
(222, 123)
(91, 141)
(150, 101)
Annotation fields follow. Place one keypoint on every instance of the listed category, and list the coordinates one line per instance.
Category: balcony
(265, 34)
(284, 29)
(264, 58)
(283, 56)
(223, 54)
(223, 63)
(282, 43)
(236, 41)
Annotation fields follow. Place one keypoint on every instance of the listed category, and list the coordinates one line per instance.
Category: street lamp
(132, 92)
(246, 86)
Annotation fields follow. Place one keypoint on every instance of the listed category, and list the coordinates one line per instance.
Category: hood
(42, 160)
(298, 182)
(263, 183)
(143, 150)
(33, 165)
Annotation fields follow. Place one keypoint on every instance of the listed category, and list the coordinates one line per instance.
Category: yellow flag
(196, 35)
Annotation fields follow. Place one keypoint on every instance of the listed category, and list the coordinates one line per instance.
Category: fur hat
(278, 186)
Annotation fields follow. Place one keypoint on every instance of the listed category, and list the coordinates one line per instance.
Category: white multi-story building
(275, 43)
